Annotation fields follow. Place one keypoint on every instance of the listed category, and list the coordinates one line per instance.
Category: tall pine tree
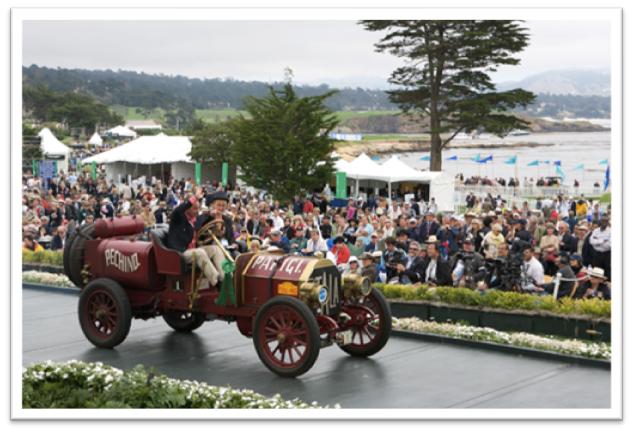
(282, 145)
(445, 78)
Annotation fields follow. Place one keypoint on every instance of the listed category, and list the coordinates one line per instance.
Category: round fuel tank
(131, 263)
(124, 226)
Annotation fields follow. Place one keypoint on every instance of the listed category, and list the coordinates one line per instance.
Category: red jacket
(308, 207)
(342, 255)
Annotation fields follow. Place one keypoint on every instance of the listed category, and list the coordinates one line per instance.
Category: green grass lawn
(220, 115)
(345, 115)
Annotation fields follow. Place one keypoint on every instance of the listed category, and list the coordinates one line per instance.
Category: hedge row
(76, 384)
(44, 257)
(596, 308)
(575, 347)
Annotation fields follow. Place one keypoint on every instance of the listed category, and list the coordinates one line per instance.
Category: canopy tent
(121, 131)
(147, 149)
(52, 148)
(441, 187)
(96, 140)
(363, 168)
(160, 155)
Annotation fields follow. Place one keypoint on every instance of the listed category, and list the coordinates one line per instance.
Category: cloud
(317, 51)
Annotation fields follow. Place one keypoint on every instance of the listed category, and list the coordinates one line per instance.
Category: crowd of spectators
(491, 246)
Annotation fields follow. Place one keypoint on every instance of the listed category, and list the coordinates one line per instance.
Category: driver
(218, 203)
(181, 237)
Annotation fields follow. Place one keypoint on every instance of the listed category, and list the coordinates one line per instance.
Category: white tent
(147, 149)
(121, 131)
(96, 140)
(152, 155)
(441, 187)
(52, 148)
(363, 168)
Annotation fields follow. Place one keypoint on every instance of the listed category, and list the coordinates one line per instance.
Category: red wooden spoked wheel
(370, 324)
(286, 336)
(105, 314)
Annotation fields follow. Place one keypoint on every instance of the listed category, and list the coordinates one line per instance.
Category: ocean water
(571, 148)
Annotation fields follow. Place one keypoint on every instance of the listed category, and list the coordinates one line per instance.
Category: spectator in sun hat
(596, 286)
(353, 267)
(368, 267)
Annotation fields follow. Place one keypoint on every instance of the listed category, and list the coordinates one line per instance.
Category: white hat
(353, 259)
(597, 272)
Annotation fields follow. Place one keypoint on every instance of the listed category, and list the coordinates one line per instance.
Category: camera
(505, 272)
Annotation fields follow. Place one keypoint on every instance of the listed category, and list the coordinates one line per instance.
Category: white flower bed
(97, 379)
(59, 280)
(598, 350)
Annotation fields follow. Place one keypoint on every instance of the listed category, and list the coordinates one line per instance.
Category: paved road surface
(405, 374)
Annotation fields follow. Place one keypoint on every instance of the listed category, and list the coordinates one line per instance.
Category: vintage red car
(291, 306)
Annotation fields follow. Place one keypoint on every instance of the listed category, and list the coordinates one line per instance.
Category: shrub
(597, 308)
(76, 384)
(45, 257)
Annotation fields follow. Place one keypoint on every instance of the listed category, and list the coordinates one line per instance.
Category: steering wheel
(204, 235)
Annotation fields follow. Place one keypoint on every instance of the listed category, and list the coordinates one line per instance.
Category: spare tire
(68, 248)
(76, 254)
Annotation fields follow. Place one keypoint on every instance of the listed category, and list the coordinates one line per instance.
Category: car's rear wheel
(105, 314)
(286, 336)
(183, 321)
(370, 324)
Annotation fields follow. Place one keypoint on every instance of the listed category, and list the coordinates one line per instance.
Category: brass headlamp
(313, 293)
(355, 286)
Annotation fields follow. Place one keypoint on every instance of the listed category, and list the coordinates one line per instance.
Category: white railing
(529, 191)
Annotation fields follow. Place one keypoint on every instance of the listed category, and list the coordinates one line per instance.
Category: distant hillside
(149, 92)
(135, 89)
(565, 82)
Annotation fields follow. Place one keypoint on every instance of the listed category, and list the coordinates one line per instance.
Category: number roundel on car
(323, 295)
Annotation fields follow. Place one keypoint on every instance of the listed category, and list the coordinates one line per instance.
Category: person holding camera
(391, 257)
(469, 267)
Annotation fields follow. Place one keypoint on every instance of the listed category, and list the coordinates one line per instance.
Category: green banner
(36, 166)
(78, 168)
(93, 171)
(198, 173)
(225, 173)
(341, 184)
(54, 168)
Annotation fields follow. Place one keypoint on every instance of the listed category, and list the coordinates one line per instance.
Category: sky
(339, 53)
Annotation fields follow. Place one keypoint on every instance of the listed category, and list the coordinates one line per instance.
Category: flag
(425, 158)
(198, 173)
(607, 178)
(485, 160)
(512, 160)
(557, 163)
(476, 158)
(604, 162)
(225, 174)
(452, 158)
(559, 171)
(579, 167)
(534, 163)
